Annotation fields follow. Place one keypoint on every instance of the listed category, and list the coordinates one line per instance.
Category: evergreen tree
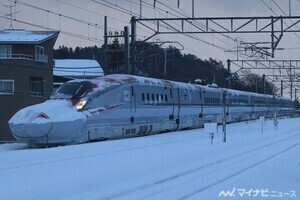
(148, 59)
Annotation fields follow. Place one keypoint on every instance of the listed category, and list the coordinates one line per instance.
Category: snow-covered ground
(177, 165)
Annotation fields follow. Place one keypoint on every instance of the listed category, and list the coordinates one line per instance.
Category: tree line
(151, 60)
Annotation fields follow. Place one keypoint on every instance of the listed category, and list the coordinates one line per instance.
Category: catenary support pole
(224, 96)
(105, 43)
(127, 51)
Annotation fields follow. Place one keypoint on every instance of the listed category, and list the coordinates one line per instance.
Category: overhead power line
(91, 11)
(61, 31)
(270, 8)
(59, 14)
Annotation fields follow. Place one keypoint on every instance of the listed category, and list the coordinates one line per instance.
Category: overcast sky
(93, 12)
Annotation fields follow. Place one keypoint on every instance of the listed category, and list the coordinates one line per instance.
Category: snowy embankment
(177, 165)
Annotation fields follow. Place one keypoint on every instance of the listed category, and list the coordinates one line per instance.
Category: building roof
(77, 68)
(13, 36)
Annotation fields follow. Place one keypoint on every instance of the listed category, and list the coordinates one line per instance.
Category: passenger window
(157, 97)
(166, 98)
(148, 97)
(143, 97)
(153, 99)
(162, 97)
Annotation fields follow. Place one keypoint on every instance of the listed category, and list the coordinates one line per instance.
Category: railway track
(192, 169)
(204, 171)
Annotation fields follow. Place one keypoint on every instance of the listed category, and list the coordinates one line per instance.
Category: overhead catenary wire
(91, 11)
(128, 12)
(183, 13)
(270, 8)
(52, 29)
(90, 39)
(58, 14)
(277, 14)
(286, 15)
(192, 36)
(88, 23)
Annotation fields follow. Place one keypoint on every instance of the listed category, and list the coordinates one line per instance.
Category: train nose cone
(30, 124)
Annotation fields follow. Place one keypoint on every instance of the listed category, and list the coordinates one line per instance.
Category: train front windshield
(74, 90)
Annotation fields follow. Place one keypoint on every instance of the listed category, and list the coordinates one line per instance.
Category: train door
(201, 102)
(226, 102)
(172, 99)
(252, 105)
(176, 105)
(224, 107)
(132, 103)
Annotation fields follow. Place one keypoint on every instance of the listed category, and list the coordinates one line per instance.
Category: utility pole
(127, 50)
(141, 1)
(264, 83)
(165, 64)
(281, 88)
(291, 78)
(224, 96)
(296, 99)
(133, 42)
(290, 8)
(291, 89)
(193, 8)
(275, 120)
(124, 34)
(11, 14)
(228, 73)
(256, 85)
(105, 43)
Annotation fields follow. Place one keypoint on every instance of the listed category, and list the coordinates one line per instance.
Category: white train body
(119, 106)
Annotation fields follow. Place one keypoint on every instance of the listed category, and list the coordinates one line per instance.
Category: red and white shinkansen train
(119, 106)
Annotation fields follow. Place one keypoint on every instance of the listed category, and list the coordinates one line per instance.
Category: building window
(36, 86)
(5, 51)
(39, 50)
(6, 86)
(40, 54)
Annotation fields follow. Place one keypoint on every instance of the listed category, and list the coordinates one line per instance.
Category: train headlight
(81, 104)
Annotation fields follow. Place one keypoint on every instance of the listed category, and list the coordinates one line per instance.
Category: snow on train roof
(238, 93)
(105, 82)
(118, 79)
